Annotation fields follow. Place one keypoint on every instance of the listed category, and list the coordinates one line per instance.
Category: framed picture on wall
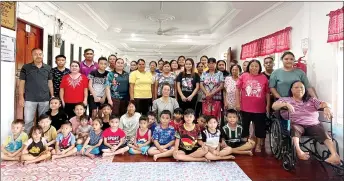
(8, 15)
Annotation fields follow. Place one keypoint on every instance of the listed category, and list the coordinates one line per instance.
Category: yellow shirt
(204, 69)
(12, 144)
(143, 84)
(51, 134)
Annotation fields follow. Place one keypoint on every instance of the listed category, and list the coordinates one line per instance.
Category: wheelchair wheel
(276, 138)
(288, 163)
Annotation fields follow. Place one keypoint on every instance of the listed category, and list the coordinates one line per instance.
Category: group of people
(193, 112)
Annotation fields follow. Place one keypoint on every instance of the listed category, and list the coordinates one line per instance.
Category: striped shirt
(232, 135)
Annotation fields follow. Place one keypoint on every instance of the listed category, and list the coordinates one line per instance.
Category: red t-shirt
(176, 125)
(113, 138)
(253, 89)
(74, 88)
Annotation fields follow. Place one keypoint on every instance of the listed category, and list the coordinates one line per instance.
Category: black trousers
(143, 105)
(259, 120)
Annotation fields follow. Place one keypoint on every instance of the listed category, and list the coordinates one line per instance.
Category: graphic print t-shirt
(163, 136)
(253, 90)
(188, 139)
(113, 138)
(188, 83)
(161, 79)
(98, 82)
(36, 148)
(212, 82)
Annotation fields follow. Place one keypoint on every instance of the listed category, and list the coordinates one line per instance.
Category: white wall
(25, 12)
(308, 20)
(7, 90)
(34, 16)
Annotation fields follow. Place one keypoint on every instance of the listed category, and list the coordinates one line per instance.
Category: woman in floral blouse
(230, 87)
(212, 85)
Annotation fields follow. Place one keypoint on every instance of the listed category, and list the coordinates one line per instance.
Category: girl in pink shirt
(253, 99)
(79, 111)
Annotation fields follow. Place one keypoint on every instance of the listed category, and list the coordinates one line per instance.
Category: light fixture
(186, 36)
(133, 35)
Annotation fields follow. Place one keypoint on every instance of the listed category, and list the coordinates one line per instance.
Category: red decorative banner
(335, 26)
(274, 43)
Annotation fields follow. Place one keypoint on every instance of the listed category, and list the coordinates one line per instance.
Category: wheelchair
(282, 147)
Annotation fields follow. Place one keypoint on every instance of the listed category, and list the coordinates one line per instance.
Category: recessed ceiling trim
(227, 17)
(253, 19)
(88, 10)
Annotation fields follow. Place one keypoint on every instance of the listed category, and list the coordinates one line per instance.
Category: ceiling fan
(163, 32)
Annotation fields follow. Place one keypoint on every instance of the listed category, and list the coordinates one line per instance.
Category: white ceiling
(130, 26)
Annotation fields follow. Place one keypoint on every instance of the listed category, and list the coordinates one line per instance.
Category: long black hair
(305, 96)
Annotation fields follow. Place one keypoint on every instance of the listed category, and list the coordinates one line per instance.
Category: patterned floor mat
(85, 169)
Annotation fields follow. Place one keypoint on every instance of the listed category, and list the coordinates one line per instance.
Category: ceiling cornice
(253, 19)
(88, 10)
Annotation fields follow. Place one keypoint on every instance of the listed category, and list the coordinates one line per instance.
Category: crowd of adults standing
(206, 86)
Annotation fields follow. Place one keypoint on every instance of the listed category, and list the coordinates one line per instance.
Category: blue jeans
(30, 111)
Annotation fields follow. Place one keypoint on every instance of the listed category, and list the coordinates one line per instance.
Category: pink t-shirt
(306, 113)
(113, 138)
(253, 89)
(76, 123)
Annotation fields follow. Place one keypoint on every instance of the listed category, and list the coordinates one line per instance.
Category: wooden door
(25, 42)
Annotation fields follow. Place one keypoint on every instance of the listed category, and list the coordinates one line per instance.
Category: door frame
(41, 41)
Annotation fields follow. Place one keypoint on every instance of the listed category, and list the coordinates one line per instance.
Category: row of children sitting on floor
(182, 139)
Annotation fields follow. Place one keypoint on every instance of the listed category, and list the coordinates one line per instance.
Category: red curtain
(335, 26)
(273, 43)
(251, 49)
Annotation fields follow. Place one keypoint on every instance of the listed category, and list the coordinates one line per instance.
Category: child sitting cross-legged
(91, 146)
(211, 138)
(83, 130)
(36, 148)
(186, 146)
(163, 137)
(12, 146)
(142, 138)
(114, 139)
(232, 135)
(49, 131)
(177, 118)
(65, 142)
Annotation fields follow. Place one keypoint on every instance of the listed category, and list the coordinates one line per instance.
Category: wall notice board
(8, 15)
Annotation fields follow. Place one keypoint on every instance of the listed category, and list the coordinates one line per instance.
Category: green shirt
(119, 85)
(281, 80)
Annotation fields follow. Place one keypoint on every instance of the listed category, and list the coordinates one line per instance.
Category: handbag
(211, 108)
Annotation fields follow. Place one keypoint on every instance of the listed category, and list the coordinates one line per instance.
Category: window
(80, 54)
(71, 52)
(50, 50)
(338, 111)
(62, 49)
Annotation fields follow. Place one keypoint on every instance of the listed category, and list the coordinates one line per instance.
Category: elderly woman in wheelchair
(303, 114)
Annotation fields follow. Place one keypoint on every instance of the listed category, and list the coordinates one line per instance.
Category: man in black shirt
(37, 86)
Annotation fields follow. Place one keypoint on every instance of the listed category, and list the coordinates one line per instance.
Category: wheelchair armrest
(323, 121)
